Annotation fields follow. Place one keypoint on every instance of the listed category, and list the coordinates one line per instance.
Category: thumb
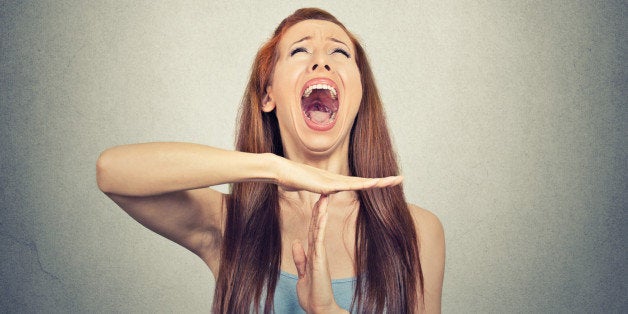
(299, 257)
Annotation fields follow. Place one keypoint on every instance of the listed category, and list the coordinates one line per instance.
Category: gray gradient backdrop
(509, 118)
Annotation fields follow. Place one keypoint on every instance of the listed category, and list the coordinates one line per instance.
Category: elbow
(103, 165)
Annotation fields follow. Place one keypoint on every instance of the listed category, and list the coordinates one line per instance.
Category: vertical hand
(314, 284)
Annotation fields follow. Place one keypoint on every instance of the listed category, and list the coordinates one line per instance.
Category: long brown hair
(388, 269)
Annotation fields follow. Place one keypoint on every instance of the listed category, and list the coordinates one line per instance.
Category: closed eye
(297, 50)
(342, 51)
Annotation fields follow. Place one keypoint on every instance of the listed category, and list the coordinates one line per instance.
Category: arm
(164, 187)
(432, 255)
(158, 168)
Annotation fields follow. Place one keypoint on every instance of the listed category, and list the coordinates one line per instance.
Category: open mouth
(319, 104)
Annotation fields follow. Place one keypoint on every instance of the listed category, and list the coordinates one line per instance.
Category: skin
(164, 186)
(323, 43)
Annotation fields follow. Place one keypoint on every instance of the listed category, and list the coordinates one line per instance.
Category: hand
(293, 176)
(314, 284)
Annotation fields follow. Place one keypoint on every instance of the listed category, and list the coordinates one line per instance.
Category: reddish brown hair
(388, 270)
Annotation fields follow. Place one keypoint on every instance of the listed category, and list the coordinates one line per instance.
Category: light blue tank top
(286, 300)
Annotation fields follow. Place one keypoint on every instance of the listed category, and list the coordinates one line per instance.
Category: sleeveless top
(287, 301)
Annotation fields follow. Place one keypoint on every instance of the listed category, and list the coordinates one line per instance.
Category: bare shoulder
(429, 227)
(431, 254)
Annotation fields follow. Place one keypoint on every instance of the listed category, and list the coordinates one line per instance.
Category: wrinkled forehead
(314, 30)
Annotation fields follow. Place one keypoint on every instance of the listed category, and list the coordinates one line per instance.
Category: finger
(368, 184)
(389, 181)
(322, 226)
(345, 183)
(318, 256)
(315, 220)
(299, 257)
(356, 183)
(313, 223)
(321, 218)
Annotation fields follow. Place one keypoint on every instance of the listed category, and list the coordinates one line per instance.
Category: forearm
(157, 168)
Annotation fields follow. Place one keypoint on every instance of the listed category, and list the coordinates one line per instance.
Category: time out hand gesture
(314, 284)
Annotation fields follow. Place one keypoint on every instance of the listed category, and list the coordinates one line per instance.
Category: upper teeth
(309, 90)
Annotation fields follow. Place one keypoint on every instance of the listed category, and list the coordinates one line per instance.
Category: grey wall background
(510, 121)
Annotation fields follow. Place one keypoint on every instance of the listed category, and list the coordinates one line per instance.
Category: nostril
(314, 67)
(327, 67)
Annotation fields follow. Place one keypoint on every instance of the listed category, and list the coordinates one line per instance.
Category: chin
(319, 146)
(323, 142)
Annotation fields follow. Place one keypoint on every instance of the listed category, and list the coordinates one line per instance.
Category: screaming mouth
(320, 103)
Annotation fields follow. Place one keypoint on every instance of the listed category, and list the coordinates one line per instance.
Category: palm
(314, 285)
(295, 177)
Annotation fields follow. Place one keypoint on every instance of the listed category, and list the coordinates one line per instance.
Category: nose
(321, 62)
(315, 66)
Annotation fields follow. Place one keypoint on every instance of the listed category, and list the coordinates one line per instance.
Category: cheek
(284, 80)
(354, 86)
(282, 94)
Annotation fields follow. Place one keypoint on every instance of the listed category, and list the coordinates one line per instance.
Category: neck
(336, 161)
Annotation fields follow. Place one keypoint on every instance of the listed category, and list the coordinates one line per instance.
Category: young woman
(316, 220)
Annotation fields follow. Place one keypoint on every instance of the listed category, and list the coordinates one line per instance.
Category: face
(315, 88)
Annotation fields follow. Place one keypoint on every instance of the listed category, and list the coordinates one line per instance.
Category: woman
(314, 180)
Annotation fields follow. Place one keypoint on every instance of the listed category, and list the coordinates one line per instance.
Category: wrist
(271, 165)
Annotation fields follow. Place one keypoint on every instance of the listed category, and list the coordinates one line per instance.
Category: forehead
(317, 30)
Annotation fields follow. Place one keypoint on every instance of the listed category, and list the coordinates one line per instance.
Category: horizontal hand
(293, 176)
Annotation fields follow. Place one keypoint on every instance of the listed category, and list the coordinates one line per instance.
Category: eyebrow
(337, 41)
(328, 38)
(302, 39)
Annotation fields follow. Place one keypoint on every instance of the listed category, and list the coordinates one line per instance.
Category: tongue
(319, 107)
(320, 117)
